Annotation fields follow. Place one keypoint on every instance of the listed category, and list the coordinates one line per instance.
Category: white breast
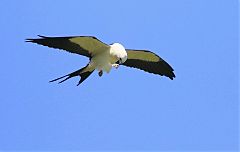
(101, 61)
(104, 60)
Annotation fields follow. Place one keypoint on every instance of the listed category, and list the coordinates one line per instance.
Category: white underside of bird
(107, 59)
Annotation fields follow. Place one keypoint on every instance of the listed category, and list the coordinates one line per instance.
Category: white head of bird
(119, 51)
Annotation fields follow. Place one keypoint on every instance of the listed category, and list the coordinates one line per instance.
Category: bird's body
(107, 59)
(103, 57)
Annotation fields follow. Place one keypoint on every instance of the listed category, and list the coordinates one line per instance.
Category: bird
(102, 56)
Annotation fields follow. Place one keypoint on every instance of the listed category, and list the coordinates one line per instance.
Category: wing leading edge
(83, 45)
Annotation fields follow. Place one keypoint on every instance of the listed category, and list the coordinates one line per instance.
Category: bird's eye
(119, 61)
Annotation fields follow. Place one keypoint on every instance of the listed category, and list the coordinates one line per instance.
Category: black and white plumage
(103, 56)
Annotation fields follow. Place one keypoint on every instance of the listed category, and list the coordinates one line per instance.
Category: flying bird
(103, 57)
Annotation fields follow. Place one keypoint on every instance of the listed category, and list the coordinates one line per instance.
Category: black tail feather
(65, 79)
(83, 75)
(59, 78)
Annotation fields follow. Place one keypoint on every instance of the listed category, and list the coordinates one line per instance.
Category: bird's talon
(100, 73)
(115, 65)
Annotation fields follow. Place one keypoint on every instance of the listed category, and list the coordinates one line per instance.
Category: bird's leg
(100, 73)
(115, 65)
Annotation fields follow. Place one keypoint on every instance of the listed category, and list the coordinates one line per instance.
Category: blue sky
(126, 109)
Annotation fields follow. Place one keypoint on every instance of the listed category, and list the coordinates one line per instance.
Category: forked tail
(84, 73)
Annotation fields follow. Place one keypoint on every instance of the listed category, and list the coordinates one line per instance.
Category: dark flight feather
(65, 43)
(158, 66)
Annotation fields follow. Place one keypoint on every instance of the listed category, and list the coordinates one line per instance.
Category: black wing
(82, 45)
(149, 62)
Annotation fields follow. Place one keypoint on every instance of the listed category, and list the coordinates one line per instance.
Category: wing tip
(41, 36)
(171, 76)
(33, 40)
(170, 73)
(28, 40)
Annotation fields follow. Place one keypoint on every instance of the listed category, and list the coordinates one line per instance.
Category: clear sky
(127, 109)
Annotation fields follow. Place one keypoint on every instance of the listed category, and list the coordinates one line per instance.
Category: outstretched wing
(149, 62)
(83, 45)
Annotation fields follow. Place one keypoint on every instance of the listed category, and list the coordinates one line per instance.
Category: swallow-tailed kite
(103, 56)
